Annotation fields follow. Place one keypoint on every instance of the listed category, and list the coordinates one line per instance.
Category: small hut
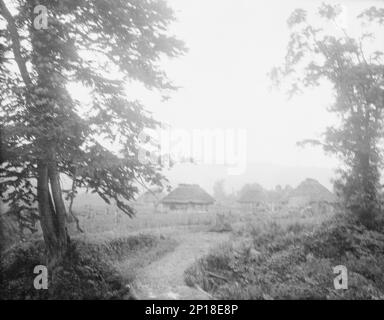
(278, 197)
(310, 192)
(252, 197)
(187, 197)
(151, 198)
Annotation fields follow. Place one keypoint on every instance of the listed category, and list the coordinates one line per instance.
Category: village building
(310, 193)
(151, 198)
(187, 197)
(277, 198)
(252, 198)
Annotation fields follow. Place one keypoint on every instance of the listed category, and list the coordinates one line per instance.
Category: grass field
(172, 243)
(100, 218)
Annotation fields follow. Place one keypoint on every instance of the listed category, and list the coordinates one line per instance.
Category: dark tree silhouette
(101, 45)
(357, 75)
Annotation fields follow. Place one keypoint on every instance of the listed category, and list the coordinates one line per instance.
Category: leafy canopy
(101, 45)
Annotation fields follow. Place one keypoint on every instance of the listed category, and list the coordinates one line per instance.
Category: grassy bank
(91, 270)
(294, 261)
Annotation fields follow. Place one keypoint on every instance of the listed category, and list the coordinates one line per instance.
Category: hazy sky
(233, 44)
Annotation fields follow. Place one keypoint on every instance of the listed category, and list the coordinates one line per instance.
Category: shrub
(295, 262)
(86, 273)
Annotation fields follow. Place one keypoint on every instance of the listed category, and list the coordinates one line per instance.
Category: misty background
(224, 84)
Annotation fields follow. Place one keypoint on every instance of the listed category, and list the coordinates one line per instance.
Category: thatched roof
(188, 193)
(151, 196)
(252, 194)
(313, 191)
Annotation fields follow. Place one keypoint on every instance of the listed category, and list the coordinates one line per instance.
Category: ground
(164, 278)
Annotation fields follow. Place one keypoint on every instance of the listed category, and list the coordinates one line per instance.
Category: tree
(46, 134)
(356, 73)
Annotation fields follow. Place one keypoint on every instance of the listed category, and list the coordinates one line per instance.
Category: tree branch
(15, 43)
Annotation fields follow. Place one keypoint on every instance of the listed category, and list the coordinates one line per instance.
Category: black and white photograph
(199, 150)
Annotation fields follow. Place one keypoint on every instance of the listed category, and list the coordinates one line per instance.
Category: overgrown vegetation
(88, 272)
(295, 262)
(354, 67)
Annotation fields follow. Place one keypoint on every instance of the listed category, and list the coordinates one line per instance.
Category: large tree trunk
(60, 211)
(52, 213)
(51, 204)
(367, 169)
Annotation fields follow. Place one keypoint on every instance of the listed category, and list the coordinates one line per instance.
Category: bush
(221, 224)
(295, 263)
(87, 272)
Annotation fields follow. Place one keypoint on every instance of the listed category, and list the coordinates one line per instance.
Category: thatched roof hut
(188, 193)
(252, 197)
(310, 191)
(187, 196)
(151, 197)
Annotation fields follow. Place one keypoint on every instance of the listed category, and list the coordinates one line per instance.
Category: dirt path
(164, 278)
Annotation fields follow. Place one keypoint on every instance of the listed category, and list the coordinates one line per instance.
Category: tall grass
(294, 261)
(91, 270)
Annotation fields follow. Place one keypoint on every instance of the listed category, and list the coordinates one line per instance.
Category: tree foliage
(354, 67)
(46, 133)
